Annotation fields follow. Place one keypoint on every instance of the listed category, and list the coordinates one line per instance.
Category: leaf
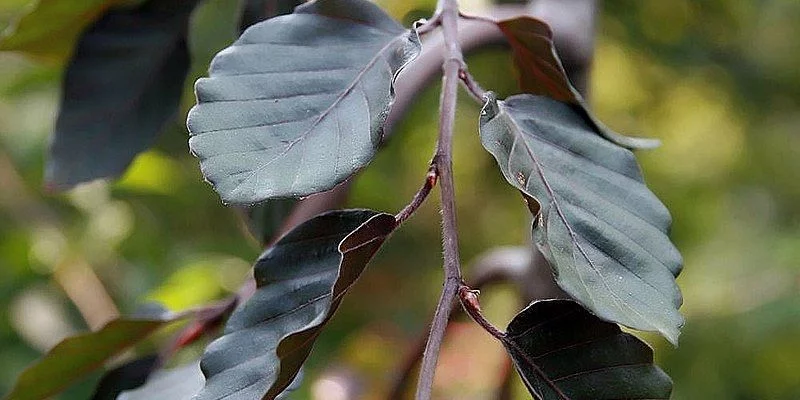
(127, 376)
(540, 72)
(562, 352)
(51, 28)
(183, 383)
(122, 85)
(602, 230)
(297, 104)
(180, 383)
(75, 357)
(301, 281)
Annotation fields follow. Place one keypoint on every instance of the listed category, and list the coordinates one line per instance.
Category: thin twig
(427, 26)
(411, 360)
(470, 303)
(453, 63)
(473, 87)
(469, 300)
(420, 196)
(498, 266)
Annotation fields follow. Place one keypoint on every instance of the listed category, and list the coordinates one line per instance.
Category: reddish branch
(420, 196)
(447, 12)
(504, 265)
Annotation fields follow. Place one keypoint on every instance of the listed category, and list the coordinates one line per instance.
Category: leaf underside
(562, 352)
(301, 281)
(297, 104)
(75, 357)
(602, 230)
(122, 85)
(540, 72)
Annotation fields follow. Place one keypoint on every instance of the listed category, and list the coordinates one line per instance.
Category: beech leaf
(602, 230)
(122, 85)
(297, 104)
(77, 356)
(300, 282)
(562, 352)
(540, 72)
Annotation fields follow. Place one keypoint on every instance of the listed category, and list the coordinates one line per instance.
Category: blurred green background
(718, 81)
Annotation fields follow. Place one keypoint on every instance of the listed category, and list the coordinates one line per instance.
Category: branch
(420, 196)
(447, 10)
(574, 40)
(516, 265)
(470, 303)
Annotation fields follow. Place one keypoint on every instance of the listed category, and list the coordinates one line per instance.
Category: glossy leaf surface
(121, 87)
(540, 72)
(75, 357)
(301, 281)
(297, 104)
(602, 230)
(562, 352)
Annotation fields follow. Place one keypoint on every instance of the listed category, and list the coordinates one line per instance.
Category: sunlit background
(718, 81)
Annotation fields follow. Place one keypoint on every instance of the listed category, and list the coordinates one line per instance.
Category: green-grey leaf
(563, 352)
(265, 219)
(540, 72)
(297, 104)
(75, 357)
(301, 281)
(602, 230)
(121, 87)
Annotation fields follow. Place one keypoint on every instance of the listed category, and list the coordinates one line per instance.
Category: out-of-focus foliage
(717, 81)
(53, 40)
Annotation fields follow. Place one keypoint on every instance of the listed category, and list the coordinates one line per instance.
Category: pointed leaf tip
(602, 230)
